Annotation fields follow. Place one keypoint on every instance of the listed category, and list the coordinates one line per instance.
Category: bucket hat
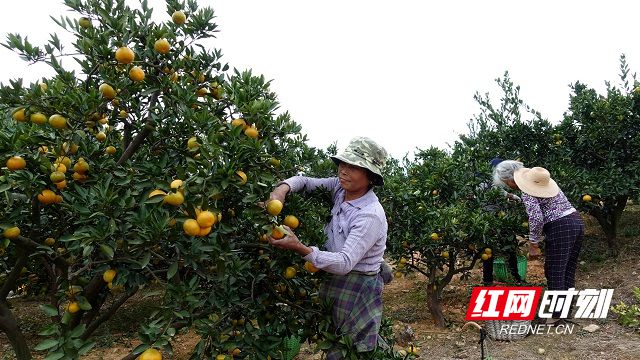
(365, 153)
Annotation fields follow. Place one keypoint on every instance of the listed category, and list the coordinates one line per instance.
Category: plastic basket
(495, 329)
(290, 347)
(502, 273)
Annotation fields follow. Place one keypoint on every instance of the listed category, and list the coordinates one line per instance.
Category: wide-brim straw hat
(365, 153)
(536, 182)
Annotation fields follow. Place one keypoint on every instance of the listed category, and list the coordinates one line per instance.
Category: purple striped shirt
(356, 234)
(544, 210)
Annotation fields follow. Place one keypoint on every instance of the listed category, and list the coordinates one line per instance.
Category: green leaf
(55, 355)
(173, 269)
(107, 250)
(145, 260)
(49, 330)
(86, 348)
(78, 330)
(47, 344)
(49, 310)
(5, 187)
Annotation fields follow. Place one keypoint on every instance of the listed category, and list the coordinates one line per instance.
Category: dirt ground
(405, 302)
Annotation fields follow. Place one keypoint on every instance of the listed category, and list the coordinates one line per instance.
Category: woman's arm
(536, 218)
(363, 234)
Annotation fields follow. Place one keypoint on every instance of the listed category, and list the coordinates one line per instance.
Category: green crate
(290, 347)
(502, 273)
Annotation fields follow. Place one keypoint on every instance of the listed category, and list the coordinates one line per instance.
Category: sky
(402, 72)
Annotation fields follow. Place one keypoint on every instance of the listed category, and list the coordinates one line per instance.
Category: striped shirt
(356, 233)
(544, 210)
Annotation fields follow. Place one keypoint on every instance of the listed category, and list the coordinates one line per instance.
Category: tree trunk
(608, 217)
(435, 307)
(9, 326)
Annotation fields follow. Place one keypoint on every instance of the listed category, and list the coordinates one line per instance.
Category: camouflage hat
(365, 153)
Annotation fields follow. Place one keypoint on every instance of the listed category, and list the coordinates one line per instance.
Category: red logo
(503, 303)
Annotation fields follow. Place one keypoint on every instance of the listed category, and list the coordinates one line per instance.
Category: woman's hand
(290, 242)
(279, 193)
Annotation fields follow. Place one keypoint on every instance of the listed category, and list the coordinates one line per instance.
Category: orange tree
(589, 152)
(142, 173)
(598, 137)
(439, 224)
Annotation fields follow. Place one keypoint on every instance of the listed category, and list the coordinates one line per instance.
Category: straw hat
(536, 182)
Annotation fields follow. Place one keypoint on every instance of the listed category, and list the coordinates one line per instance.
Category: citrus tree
(142, 172)
(439, 223)
(597, 137)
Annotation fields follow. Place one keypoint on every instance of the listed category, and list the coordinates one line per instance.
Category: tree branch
(142, 135)
(93, 326)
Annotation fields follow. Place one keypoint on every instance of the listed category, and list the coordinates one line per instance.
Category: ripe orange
(290, 272)
(60, 167)
(110, 150)
(191, 227)
(207, 219)
(109, 275)
(204, 231)
(73, 307)
(79, 177)
(18, 115)
(175, 199)
(277, 232)
(238, 122)
(64, 160)
(101, 136)
(16, 163)
(124, 55)
(61, 185)
(243, 177)
(38, 118)
(49, 241)
(150, 354)
(310, 267)
(81, 166)
(47, 197)
(57, 121)
(179, 17)
(136, 73)
(488, 251)
(586, 198)
(251, 132)
(176, 184)
(162, 46)
(107, 91)
(435, 236)
(274, 207)
(485, 257)
(12, 232)
(445, 254)
(291, 221)
(157, 192)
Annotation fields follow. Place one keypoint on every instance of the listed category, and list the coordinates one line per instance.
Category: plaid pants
(357, 309)
(562, 247)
